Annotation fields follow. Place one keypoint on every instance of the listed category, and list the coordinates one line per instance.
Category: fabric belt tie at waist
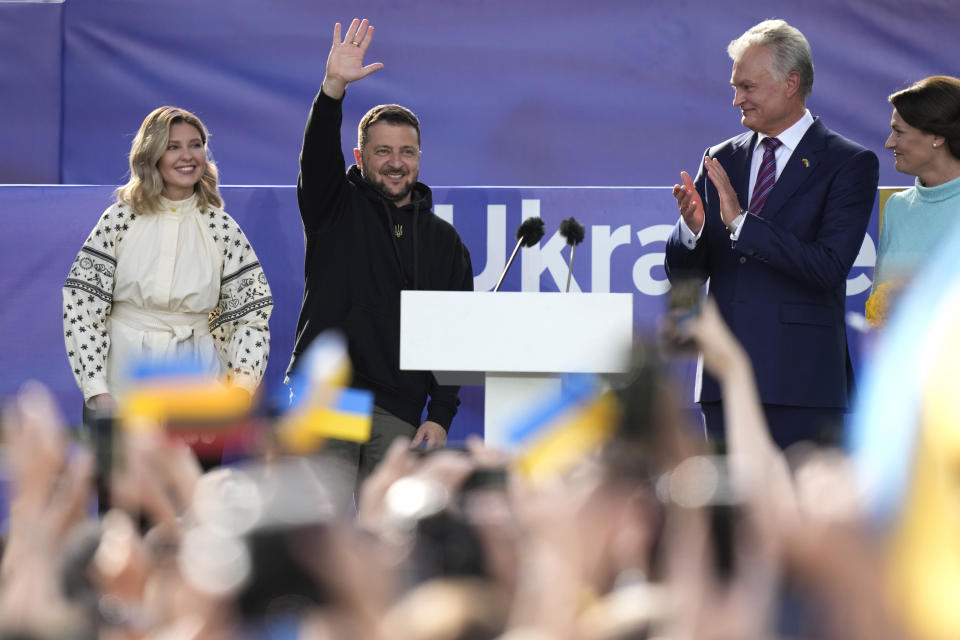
(179, 324)
(168, 333)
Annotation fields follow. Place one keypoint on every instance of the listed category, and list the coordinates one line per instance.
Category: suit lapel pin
(806, 163)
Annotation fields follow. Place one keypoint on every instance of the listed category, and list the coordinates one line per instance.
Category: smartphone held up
(684, 303)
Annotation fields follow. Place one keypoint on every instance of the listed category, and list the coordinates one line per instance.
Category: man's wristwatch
(736, 222)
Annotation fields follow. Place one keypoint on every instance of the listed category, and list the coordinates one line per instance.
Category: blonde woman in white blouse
(166, 273)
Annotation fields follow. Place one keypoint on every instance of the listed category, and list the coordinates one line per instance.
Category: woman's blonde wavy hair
(142, 191)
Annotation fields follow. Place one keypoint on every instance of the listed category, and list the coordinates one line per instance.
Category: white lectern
(514, 343)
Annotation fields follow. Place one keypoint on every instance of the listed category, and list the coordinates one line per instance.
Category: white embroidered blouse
(177, 282)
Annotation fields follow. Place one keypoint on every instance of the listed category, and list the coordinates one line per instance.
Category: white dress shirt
(789, 139)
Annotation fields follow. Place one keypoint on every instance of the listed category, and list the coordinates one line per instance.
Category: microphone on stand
(528, 234)
(573, 231)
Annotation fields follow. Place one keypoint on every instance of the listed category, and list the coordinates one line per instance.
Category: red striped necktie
(766, 176)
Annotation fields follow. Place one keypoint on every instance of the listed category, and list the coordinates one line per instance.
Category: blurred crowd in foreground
(614, 522)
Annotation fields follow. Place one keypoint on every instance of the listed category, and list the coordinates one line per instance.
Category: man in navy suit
(775, 219)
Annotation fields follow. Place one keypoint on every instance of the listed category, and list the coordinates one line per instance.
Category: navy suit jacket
(782, 285)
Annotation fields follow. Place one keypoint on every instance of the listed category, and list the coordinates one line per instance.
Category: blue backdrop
(626, 230)
(550, 93)
(538, 92)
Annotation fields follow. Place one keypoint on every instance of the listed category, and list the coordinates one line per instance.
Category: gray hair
(791, 51)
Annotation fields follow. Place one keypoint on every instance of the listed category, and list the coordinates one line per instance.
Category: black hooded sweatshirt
(356, 266)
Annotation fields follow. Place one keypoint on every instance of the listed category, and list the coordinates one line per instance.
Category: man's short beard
(381, 188)
(392, 197)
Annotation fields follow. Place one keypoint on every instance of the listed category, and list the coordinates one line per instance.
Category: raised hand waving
(345, 61)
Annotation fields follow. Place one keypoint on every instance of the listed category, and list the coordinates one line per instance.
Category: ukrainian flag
(348, 417)
(556, 436)
(325, 364)
(183, 401)
(906, 445)
(179, 391)
(924, 546)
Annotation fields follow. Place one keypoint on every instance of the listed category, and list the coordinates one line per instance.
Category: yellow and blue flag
(191, 404)
(324, 365)
(905, 442)
(559, 433)
(348, 417)
(170, 392)
(322, 406)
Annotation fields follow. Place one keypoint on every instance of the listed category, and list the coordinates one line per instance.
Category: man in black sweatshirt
(370, 233)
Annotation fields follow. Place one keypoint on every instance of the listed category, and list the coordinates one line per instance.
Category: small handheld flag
(559, 433)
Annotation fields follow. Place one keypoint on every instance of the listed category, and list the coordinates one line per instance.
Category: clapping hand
(689, 202)
(729, 202)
